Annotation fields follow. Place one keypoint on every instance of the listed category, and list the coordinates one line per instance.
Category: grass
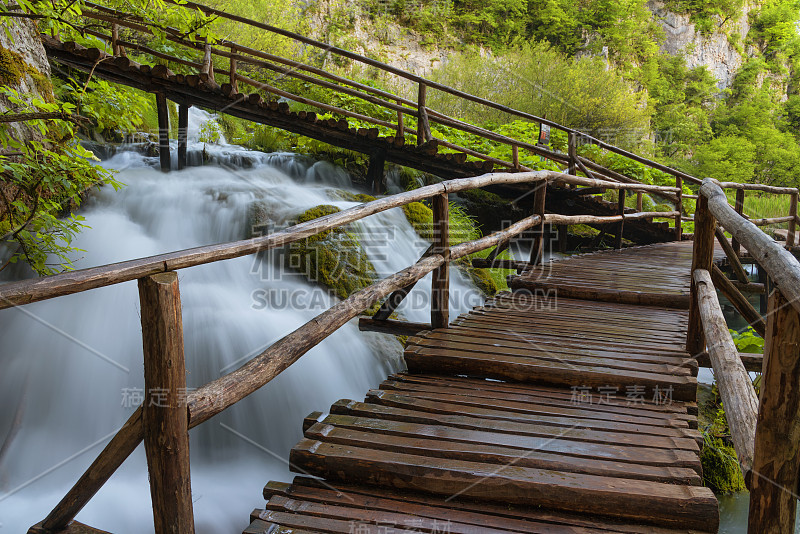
(758, 205)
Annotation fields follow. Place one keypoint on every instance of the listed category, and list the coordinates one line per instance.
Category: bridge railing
(765, 431)
(164, 427)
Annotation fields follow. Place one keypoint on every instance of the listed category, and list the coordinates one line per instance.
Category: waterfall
(74, 364)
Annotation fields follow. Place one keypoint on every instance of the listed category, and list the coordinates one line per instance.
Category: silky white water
(73, 365)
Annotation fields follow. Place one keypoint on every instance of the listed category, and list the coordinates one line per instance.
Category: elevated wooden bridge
(566, 405)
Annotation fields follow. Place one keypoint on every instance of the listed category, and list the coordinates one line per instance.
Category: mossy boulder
(420, 217)
(333, 258)
(341, 194)
(482, 278)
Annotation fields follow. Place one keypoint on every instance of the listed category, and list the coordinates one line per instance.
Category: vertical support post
(739, 207)
(423, 126)
(572, 152)
(773, 487)
(232, 74)
(702, 258)
(208, 62)
(539, 197)
(165, 417)
(401, 127)
(515, 156)
(183, 127)
(793, 223)
(375, 171)
(116, 48)
(440, 289)
(562, 238)
(163, 131)
(679, 208)
(639, 201)
(620, 212)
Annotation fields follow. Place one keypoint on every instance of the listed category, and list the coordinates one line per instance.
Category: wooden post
(515, 156)
(208, 62)
(183, 132)
(738, 300)
(572, 152)
(621, 226)
(163, 131)
(639, 201)
(679, 208)
(401, 128)
(116, 48)
(733, 258)
(423, 126)
(562, 238)
(773, 490)
(793, 222)
(739, 207)
(375, 171)
(440, 289)
(539, 198)
(233, 78)
(166, 416)
(702, 258)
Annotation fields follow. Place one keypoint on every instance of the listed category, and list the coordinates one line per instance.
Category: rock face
(23, 67)
(714, 50)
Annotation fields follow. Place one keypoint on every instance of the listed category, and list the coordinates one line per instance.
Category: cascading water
(71, 370)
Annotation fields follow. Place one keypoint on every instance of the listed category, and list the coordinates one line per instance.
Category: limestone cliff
(716, 50)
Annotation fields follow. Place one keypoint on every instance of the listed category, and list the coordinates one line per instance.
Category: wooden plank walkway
(532, 413)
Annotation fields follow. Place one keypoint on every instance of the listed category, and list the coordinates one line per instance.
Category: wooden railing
(164, 428)
(765, 431)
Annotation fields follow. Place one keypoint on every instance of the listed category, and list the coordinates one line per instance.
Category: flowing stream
(71, 371)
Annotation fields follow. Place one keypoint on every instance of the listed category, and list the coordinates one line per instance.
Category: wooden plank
(440, 404)
(559, 446)
(702, 258)
(529, 403)
(649, 502)
(541, 371)
(473, 422)
(602, 294)
(470, 511)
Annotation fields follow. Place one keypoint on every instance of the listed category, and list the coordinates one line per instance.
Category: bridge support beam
(183, 126)
(377, 160)
(163, 131)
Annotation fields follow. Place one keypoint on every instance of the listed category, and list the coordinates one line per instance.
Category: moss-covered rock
(421, 218)
(482, 278)
(12, 67)
(341, 194)
(333, 258)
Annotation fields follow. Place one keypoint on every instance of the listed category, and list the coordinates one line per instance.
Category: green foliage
(538, 79)
(703, 12)
(108, 105)
(721, 471)
(748, 341)
(40, 189)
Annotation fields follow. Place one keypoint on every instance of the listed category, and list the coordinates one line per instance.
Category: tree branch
(58, 115)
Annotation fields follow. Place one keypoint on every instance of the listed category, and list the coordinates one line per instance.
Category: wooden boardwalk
(532, 413)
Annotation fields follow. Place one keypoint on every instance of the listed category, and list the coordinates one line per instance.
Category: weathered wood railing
(164, 428)
(765, 431)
